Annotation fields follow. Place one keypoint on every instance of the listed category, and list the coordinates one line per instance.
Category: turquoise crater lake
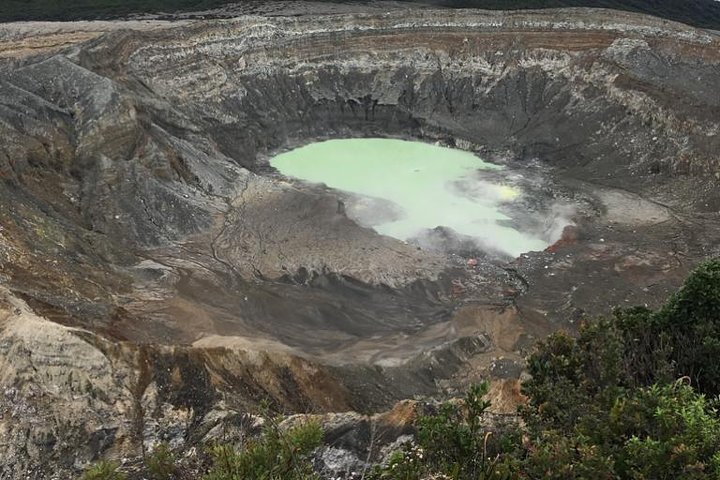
(406, 189)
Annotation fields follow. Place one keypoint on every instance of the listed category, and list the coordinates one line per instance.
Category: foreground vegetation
(633, 396)
(700, 13)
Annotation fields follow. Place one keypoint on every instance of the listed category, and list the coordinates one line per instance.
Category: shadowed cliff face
(141, 217)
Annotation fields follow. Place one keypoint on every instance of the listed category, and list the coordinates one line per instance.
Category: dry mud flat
(158, 277)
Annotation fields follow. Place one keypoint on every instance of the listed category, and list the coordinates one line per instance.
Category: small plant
(276, 455)
(450, 444)
(161, 463)
(104, 470)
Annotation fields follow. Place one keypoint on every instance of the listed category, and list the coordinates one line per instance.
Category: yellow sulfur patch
(508, 193)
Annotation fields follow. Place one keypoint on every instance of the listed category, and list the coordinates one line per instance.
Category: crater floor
(157, 274)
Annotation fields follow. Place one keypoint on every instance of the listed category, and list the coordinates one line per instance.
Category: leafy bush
(691, 319)
(656, 432)
(451, 443)
(607, 403)
(104, 470)
(635, 348)
(671, 432)
(604, 405)
(161, 463)
(275, 455)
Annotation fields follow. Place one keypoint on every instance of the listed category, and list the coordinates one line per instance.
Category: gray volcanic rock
(158, 277)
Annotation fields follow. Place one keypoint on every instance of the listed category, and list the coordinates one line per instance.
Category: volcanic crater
(150, 252)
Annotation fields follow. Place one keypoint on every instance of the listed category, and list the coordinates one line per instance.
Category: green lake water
(402, 189)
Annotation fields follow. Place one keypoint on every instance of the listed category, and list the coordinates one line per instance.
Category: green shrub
(161, 463)
(605, 405)
(275, 455)
(104, 470)
(657, 432)
(670, 431)
(634, 348)
(691, 319)
(450, 443)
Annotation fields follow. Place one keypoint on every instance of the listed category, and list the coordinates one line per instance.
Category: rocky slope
(159, 279)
